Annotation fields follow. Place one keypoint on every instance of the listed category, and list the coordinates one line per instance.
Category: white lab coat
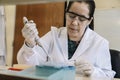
(92, 47)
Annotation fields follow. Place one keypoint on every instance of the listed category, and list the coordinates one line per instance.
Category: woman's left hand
(83, 67)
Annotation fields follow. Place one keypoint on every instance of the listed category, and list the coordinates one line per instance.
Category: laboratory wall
(107, 24)
(107, 21)
(10, 24)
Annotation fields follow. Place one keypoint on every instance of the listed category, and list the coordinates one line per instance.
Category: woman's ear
(90, 21)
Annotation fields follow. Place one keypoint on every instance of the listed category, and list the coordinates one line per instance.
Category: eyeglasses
(73, 15)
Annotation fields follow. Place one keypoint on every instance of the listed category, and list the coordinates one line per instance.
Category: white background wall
(107, 24)
(107, 21)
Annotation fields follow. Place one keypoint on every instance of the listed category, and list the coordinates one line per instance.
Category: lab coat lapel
(63, 43)
(83, 45)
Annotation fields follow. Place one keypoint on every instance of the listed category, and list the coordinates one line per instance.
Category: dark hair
(91, 4)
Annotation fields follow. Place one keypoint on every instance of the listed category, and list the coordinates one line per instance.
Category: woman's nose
(75, 22)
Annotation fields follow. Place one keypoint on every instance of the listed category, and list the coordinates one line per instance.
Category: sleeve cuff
(28, 48)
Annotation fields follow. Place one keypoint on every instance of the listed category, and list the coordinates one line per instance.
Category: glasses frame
(78, 15)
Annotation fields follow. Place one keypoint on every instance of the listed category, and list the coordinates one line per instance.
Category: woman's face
(77, 18)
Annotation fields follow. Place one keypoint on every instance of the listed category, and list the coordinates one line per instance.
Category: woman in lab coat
(76, 44)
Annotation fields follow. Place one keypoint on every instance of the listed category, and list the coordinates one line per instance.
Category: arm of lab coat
(31, 56)
(103, 65)
(35, 55)
(102, 73)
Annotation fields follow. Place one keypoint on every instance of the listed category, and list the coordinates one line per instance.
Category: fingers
(88, 73)
(25, 20)
(86, 70)
(29, 31)
(31, 21)
(84, 67)
(30, 27)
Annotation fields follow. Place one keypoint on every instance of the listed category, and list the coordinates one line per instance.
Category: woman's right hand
(29, 32)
